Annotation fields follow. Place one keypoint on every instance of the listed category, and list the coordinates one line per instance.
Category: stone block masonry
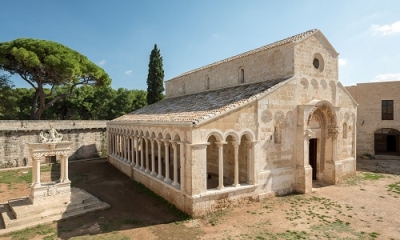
(89, 139)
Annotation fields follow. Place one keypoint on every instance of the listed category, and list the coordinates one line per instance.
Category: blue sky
(119, 35)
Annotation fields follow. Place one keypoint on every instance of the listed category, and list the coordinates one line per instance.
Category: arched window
(344, 130)
(207, 83)
(241, 75)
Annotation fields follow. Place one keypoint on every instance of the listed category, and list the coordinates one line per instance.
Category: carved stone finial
(51, 136)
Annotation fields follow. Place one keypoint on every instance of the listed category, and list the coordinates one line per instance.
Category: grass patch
(394, 187)
(214, 217)
(24, 175)
(373, 176)
(107, 236)
(30, 233)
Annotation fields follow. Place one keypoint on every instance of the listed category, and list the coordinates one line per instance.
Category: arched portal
(387, 141)
(322, 142)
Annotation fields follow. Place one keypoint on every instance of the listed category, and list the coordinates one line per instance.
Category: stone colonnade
(161, 157)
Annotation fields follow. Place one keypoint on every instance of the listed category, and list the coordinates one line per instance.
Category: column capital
(235, 143)
(173, 144)
(166, 143)
(220, 144)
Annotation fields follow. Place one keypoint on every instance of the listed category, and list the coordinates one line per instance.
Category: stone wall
(369, 96)
(270, 64)
(88, 137)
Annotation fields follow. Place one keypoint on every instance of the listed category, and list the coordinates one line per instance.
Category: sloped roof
(295, 38)
(198, 107)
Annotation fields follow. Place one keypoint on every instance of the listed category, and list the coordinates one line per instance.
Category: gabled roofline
(250, 100)
(347, 92)
(292, 39)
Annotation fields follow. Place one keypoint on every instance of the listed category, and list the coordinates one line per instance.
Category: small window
(207, 83)
(387, 109)
(241, 75)
(344, 130)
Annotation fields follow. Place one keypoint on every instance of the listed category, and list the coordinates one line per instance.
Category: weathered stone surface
(88, 137)
(369, 96)
(263, 123)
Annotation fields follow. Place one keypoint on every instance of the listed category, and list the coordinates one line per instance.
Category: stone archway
(387, 141)
(319, 139)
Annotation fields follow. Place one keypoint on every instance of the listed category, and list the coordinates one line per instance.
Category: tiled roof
(198, 107)
(294, 38)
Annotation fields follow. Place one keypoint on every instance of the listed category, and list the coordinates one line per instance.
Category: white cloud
(342, 61)
(386, 29)
(386, 77)
(129, 72)
(102, 62)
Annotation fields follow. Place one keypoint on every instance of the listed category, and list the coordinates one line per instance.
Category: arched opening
(387, 141)
(229, 161)
(241, 75)
(244, 160)
(207, 83)
(321, 133)
(212, 163)
(344, 130)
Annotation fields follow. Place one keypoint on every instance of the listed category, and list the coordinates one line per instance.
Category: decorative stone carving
(266, 116)
(51, 136)
(333, 132)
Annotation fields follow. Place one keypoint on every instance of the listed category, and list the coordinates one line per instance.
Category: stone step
(23, 207)
(91, 208)
(52, 213)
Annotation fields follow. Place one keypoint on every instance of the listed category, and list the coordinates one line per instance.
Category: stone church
(266, 122)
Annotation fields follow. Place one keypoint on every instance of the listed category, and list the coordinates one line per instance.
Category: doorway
(391, 143)
(312, 157)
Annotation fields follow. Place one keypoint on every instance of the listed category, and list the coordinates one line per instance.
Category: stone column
(136, 151)
(124, 147)
(64, 168)
(175, 152)
(166, 144)
(141, 154)
(147, 154)
(220, 164)
(36, 172)
(128, 148)
(159, 158)
(119, 146)
(236, 171)
(132, 150)
(153, 167)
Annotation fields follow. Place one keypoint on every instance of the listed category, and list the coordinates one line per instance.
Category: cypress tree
(155, 78)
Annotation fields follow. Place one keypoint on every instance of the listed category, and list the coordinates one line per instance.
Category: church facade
(266, 122)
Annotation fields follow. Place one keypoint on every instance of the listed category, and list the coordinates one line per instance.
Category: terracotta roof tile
(197, 107)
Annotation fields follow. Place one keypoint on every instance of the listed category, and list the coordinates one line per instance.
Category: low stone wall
(88, 137)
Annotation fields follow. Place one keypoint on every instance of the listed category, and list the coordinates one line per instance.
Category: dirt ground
(366, 206)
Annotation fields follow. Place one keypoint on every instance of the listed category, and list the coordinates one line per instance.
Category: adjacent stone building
(265, 122)
(378, 123)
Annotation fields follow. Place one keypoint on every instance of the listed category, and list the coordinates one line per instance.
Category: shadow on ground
(131, 205)
(379, 166)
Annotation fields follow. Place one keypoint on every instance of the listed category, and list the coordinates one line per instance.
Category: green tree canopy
(155, 77)
(45, 64)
